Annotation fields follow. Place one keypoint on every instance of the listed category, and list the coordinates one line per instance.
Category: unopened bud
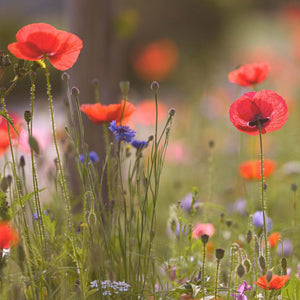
(9, 179)
(240, 270)
(22, 161)
(204, 238)
(211, 144)
(124, 86)
(6, 61)
(4, 185)
(65, 76)
(228, 223)
(249, 236)
(265, 186)
(75, 91)
(262, 263)
(247, 265)
(172, 112)
(283, 263)
(155, 86)
(150, 138)
(220, 253)
(294, 187)
(269, 275)
(27, 116)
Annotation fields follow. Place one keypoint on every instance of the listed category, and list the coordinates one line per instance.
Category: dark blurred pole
(100, 58)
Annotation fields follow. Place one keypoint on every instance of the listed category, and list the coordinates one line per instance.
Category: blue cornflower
(139, 145)
(93, 157)
(36, 217)
(258, 220)
(122, 133)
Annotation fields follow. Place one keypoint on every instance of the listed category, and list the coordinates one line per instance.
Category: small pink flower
(201, 229)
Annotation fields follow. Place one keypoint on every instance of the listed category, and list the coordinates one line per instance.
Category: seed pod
(204, 238)
(220, 253)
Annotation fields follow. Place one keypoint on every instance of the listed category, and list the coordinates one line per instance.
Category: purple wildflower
(93, 157)
(122, 133)
(139, 145)
(241, 290)
(187, 203)
(259, 222)
(287, 247)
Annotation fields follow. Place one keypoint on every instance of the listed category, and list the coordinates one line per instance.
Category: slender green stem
(263, 204)
(203, 271)
(217, 278)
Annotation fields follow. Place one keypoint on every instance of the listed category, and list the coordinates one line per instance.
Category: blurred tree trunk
(100, 58)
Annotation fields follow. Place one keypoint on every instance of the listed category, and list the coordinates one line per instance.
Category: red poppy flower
(8, 236)
(265, 107)
(251, 169)
(276, 282)
(156, 60)
(273, 239)
(146, 112)
(200, 229)
(250, 74)
(99, 113)
(36, 40)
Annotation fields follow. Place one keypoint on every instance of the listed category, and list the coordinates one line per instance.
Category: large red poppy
(99, 113)
(156, 60)
(276, 282)
(250, 74)
(265, 107)
(39, 39)
(8, 236)
(251, 169)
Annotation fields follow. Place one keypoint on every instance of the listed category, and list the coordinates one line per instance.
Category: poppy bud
(155, 86)
(75, 91)
(265, 186)
(228, 223)
(283, 263)
(124, 86)
(22, 161)
(27, 116)
(240, 270)
(3, 184)
(172, 112)
(6, 61)
(269, 275)
(211, 144)
(150, 138)
(9, 179)
(247, 265)
(294, 187)
(220, 253)
(204, 238)
(262, 263)
(249, 236)
(65, 76)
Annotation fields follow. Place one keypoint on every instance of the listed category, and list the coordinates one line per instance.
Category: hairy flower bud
(249, 236)
(247, 265)
(240, 270)
(262, 263)
(220, 253)
(269, 275)
(155, 86)
(75, 91)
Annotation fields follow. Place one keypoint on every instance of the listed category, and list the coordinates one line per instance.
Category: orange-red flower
(145, 113)
(273, 239)
(8, 236)
(251, 169)
(276, 282)
(156, 60)
(250, 74)
(39, 39)
(99, 113)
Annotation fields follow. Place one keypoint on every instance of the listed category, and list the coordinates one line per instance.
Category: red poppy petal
(68, 51)
(25, 51)
(262, 282)
(278, 282)
(24, 32)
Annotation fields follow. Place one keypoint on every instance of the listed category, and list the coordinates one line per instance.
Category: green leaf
(292, 289)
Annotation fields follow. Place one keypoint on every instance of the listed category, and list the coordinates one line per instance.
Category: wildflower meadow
(178, 204)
